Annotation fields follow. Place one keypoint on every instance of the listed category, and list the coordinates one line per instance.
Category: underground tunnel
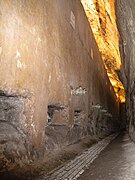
(67, 88)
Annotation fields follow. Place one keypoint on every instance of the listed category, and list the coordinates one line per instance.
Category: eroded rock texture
(101, 16)
(13, 142)
(125, 12)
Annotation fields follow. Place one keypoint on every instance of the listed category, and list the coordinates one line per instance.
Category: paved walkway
(77, 166)
(116, 162)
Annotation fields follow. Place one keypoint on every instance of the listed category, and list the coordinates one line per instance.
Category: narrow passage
(116, 162)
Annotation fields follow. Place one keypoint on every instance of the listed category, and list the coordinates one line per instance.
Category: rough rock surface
(52, 79)
(101, 16)
(12, 137)
(125, 13)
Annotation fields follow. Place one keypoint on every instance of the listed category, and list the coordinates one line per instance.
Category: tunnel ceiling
(101, 16)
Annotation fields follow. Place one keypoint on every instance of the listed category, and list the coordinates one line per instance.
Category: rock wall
(54, 89)
(102, 19)
(126, 25)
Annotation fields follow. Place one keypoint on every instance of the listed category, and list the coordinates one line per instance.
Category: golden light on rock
(101, 16)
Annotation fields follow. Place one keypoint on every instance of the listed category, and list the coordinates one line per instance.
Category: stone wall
(54, 89)
(126, 25)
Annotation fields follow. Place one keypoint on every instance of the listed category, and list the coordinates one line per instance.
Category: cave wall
(54, 89)
(125, 13)
(102, 19)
